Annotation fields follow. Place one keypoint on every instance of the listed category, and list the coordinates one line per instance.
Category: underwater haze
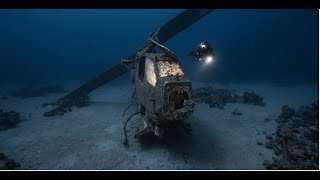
(254, 106)
(277, 46)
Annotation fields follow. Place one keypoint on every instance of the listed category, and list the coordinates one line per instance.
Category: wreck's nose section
(179, 102)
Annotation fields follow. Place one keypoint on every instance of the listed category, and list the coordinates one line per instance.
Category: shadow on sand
(200, 150)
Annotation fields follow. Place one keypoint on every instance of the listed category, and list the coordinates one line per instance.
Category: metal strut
(125, 141)
(144, 50)
(125, 110)
(167, 50)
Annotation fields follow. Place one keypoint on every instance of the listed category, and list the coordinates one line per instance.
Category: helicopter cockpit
(169, 68)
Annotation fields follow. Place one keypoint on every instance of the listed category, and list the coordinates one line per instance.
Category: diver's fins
(192, 53)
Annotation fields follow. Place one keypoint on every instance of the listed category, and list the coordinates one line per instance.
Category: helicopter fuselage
(163, 91)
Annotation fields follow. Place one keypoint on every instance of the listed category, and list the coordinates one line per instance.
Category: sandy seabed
(91, 137)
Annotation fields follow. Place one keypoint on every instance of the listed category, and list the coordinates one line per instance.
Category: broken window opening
(150, 72)
(169, 68)
(177, 99)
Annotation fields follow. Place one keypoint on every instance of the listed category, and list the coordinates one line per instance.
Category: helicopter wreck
(161, 89)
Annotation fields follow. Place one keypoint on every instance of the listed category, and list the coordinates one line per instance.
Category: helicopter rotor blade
(180, 23)
(167, 31)
(79, 97)
(109, 75)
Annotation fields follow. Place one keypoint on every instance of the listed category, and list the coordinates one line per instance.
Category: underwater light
(204, 52)
(209, 59)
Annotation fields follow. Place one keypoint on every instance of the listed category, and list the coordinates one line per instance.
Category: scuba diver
(203, 52)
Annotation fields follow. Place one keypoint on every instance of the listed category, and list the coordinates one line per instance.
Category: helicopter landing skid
(142, 131)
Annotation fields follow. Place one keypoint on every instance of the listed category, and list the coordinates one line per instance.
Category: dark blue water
(251, 45)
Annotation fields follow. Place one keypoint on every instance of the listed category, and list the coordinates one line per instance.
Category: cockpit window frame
(141, 73)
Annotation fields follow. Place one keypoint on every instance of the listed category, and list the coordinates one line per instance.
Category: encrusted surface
(296, 142)
(169, 68)
(217, 98)
(9, 119)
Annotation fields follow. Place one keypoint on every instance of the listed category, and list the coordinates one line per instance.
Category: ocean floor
(91, 137)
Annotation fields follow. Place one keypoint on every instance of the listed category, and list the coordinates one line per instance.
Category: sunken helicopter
(161, 89)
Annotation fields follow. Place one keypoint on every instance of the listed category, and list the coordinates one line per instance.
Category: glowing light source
(208, 59)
